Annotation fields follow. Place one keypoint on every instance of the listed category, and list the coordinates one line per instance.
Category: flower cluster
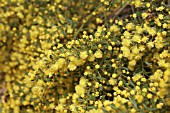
(84, 56)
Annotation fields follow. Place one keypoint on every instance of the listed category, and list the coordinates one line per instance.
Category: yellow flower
(149, 95)
(109, 48)
(136, 77)
(157, 22)
(108, 108)
(120, 83)
(161, 62)
(72, 107)
(126, 42)
(136, 38)
(126, 34)
(83, 81)
(161, 8)
(143, 79)
(139, 29)
(144, 90)
(98, 54)
(79, 90)
(159, 105)
(106, 102)
(114, 75)
(37, 90)
(62, 100)
(112, 81)
(152, 31)
(126, 51)
(130, 26)
(54, 67)
(165, 25)
(132, 63)
(144, 15)
(145, 39)
(139, 98)
(148, 5)
(88, 71)
(59, 45)
(75, 96)
(166, 75)
(134, 15)
(150, 44)
(164, 33)
(61, 62)
(137, 88)
(20, 15)
(83, 55)
(97, 66)
(164, 54)
(76, 61)
(133, 110)
(72, 66)
(138, 3)
(40, 83)
(120, 22)
(69, 29)
(113, 43)
(141, 48)
(132, 92)
(135, 50)
(123, 101)
(114, 28)
(158, 74)
(97, 85)
(160, 16)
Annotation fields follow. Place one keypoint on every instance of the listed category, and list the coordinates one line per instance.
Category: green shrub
(84, 56)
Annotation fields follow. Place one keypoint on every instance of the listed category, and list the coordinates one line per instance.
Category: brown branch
(118, 11)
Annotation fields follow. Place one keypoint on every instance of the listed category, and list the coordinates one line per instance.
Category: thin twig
(118, 11)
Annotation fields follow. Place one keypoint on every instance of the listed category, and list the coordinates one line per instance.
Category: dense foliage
(81, 56)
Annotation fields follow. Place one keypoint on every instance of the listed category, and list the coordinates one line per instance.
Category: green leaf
(92, 97)
(131, 83)
(81, 100)
(100, 88)
(124, 82)
(113, 106)
(91, 107)
(133, 101)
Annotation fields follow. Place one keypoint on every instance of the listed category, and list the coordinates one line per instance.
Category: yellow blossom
(150, 44)
(136, 77)
(91, 57)
(109, 48)
(83, 81)
(130, 26)
(126, 42)
(144, 15)
(83, 55)
(98, 54)
(114, 28)
(126, 34)
(149, 95)
(148, 5)
(79, 90)
(160, 16)
(136, 38)
(159, 105)
(112, 81)
(132, 63)
(72, 66)
(97, 66)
